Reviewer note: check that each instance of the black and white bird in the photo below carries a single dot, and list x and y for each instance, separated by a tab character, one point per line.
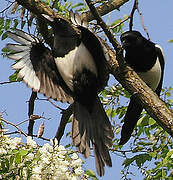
147	60
73	71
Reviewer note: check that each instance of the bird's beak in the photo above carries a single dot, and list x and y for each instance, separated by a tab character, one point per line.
50	19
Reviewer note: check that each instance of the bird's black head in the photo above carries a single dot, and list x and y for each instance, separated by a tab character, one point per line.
60	26
65	37
132	40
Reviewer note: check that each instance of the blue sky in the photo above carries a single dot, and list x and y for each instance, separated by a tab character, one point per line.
157	16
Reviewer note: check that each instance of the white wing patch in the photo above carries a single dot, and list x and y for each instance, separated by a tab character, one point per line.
27	72
76	60
158	46
22	56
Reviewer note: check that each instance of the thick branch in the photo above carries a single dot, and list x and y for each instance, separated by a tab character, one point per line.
106	8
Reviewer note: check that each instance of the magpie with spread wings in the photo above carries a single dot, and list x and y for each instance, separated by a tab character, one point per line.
73	71
147	60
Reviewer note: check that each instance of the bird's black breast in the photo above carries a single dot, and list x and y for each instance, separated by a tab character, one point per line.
85	85
64	44
141	59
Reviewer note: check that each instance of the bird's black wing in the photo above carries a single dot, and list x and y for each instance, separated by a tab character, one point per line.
36	66
130	120
160	55
94	46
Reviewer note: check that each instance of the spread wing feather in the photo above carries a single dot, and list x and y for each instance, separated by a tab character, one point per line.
36	66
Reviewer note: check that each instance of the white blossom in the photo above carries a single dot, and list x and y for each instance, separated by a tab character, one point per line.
74	156
2	151
30	142
78	171
77	162
51	161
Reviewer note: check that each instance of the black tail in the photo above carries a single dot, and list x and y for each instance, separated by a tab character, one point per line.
95	127
132	115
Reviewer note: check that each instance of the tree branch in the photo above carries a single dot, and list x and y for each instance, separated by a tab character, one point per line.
30	112
64	120
106	8
12	124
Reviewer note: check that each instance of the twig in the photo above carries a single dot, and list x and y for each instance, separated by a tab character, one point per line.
142	22
32	118
64	119
48	99
8	82
116	25
9	133
105	8
113	41
17	132
30	112
46	139
132	14
7	7
12	124
53	4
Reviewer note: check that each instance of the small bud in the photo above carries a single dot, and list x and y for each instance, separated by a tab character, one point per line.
40	130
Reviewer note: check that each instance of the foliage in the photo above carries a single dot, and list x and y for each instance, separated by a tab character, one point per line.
150	149
149	142
30	161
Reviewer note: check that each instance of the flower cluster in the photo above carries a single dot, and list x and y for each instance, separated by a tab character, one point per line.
30	161
56	162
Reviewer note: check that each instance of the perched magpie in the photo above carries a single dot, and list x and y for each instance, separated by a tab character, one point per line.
147	60
74	70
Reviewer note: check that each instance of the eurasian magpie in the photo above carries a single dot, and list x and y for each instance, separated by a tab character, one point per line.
73	71
147	60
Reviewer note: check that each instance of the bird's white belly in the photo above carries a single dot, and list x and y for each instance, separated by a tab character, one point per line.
75	60
152	77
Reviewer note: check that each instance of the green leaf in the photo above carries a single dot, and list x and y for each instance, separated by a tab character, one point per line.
7	24
18	158
128	161
91	173
48	2
23	24
16	22
169	154
153	154
77	5
11	160
23	152
14	77
170	41
143	121
151	121
4	36
142	158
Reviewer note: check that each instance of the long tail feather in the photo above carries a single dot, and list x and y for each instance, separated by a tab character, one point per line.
132	115
95	127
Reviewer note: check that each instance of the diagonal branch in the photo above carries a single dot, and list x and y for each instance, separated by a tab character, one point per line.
106	8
